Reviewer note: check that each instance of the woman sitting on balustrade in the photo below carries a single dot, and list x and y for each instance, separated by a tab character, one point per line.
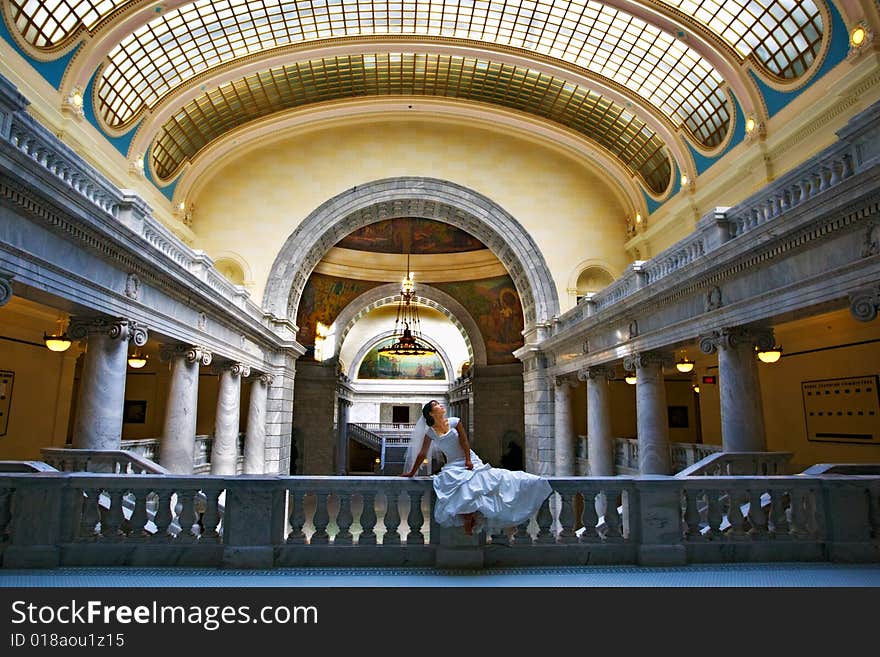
470	492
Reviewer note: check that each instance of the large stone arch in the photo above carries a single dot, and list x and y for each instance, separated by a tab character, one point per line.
427	295
425	198
378	337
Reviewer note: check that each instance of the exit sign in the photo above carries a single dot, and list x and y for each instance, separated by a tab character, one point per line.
711	380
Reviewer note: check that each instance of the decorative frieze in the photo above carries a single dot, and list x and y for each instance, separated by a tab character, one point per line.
114	328
133	286
871	244
596	372
713	299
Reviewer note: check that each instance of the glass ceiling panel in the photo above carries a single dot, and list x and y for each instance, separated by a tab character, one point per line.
46	23
784	35
174	47
612	127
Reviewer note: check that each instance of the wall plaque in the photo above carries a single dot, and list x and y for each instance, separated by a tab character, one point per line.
842	410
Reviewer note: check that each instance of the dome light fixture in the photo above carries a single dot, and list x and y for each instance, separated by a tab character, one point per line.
137	360
769	355
684	365
630	379
58	341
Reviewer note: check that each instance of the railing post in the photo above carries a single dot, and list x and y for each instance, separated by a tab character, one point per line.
253	522
659	522
848	521
37	516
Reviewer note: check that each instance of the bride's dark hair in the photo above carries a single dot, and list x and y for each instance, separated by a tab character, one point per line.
426	412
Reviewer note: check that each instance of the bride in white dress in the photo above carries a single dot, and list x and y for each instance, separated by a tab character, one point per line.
469	491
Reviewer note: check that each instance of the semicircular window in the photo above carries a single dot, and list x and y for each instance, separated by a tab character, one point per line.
392	368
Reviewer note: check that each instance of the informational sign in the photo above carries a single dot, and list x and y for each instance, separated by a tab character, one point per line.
842	410
6	379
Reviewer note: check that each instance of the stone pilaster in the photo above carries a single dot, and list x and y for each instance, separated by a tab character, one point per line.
179	430
224	452
563	426
99	407
742	414
255	438
538	409
600	442
652	416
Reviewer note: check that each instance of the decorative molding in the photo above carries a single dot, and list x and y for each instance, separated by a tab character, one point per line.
192	354
871	245
81	328
570	379
633	329
647	359
585	348
5	288
235	368
266	379
596	372
132	286
864	303
713	299
203	322
728	338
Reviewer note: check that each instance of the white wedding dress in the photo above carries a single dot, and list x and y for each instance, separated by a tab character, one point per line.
502	498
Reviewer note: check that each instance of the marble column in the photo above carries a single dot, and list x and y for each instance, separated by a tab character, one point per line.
652	416
101	398
255	438
600	442
538	419
224	452
177	446
342	436
742	413
564	427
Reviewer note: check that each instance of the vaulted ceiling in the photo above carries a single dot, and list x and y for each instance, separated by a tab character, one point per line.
648	83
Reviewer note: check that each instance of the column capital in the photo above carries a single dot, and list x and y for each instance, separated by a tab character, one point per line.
5	287
233	367
646	359
569	379
192	353
596	372
728	338
864	303
266	379
117	328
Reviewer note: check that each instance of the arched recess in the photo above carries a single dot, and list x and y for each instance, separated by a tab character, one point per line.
376	339
598	266
425	198
427	295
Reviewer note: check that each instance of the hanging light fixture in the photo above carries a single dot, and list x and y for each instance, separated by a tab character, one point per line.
407	338
630	379
57	341
137	360
769	355
684	365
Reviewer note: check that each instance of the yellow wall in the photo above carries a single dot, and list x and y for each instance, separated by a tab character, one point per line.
252	204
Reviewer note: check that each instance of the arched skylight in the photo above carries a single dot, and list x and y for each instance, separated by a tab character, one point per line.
617	130
622	49
46	23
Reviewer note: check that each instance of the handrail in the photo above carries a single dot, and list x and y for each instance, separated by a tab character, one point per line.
117	461
739	463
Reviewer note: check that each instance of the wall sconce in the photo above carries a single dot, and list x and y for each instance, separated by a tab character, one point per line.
57	341
697	389
137	360
630	379
684	365
858	35
769	355
684	180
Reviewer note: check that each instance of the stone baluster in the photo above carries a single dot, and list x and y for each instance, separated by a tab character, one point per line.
415	519
652	418
522	536
224	452
98	423
344	520
368	519
177	447
757	517
692	513
564	429
734	514
713	514
297	519
187	519
545	519
777	514
612	516
321	519
163	515
210	519
255	438
138	521
566	519
392	519
590	517
799	512
742	415
600	441
89	519
111	525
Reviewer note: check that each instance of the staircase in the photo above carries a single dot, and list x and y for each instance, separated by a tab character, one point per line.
389	441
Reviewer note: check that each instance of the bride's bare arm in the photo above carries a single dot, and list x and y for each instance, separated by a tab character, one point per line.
465	446
426	445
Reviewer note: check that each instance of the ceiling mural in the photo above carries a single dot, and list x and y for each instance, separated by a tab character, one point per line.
415	236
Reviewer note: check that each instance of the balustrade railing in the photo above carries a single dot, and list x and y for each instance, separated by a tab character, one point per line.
739	464
52	519
116	461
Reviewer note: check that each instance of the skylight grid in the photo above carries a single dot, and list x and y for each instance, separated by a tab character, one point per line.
47	23
206	118
184	42
785	36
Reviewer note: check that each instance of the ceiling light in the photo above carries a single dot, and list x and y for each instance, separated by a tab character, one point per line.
57	341
630	379
769	355
857	36
407	339
638	218
684	180
137	360
750	125
685	365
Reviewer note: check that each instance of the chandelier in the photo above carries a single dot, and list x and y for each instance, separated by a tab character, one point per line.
407	338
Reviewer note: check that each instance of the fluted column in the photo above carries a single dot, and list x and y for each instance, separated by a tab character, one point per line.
652	416
742	413
179	430
563	428
102	387
224	451
255	438
600	442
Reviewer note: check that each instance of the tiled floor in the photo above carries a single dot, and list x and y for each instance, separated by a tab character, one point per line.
722	575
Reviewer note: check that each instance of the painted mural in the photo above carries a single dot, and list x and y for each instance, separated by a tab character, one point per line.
495	306
416	236
379	366
322	300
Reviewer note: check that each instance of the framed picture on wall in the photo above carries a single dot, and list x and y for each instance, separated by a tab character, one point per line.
134	411
678	417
